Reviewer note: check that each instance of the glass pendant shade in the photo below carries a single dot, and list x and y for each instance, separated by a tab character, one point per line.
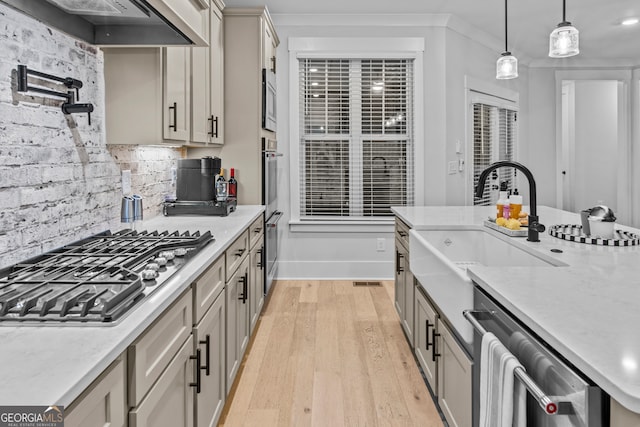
564	41
507	67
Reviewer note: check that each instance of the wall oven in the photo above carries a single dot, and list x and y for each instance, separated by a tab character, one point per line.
557	394
270	201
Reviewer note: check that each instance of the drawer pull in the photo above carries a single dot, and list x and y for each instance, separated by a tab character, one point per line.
240	252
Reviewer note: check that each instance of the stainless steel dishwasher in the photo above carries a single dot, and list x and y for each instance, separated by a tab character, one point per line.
557	394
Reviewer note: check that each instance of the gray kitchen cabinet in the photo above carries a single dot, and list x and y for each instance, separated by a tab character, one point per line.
622	417
454	379
404	289
256	294
207	84
104	402
176	90
237	307
426	320
150	354
210	337
169	403
248	32
446	367
169	94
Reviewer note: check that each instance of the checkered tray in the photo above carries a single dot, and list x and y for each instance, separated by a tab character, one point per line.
573	233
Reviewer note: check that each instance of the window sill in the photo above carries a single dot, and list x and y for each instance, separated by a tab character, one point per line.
378	226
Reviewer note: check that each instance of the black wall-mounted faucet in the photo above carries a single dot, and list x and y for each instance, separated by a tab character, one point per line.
534	226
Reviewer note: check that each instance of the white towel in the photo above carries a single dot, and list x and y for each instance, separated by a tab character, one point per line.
502	396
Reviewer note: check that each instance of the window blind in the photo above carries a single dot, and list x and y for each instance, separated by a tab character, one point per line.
356	137
494	134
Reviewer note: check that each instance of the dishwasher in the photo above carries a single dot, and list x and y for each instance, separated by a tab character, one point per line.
557	394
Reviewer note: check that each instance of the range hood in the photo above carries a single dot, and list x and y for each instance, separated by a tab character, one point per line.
105	22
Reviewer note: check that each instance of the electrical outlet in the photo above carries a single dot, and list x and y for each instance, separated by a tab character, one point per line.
380	244
453	167
174	175
460	165
126	182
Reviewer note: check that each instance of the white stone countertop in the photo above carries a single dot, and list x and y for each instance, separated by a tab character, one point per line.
52	365
587	311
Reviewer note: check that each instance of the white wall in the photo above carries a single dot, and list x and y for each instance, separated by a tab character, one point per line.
448	58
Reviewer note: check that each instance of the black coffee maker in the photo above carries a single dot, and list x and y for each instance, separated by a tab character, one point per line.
195	189
197	178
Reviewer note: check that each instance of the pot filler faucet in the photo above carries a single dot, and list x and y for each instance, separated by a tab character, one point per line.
534	226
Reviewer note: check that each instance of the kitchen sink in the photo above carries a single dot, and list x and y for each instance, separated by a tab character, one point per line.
439	259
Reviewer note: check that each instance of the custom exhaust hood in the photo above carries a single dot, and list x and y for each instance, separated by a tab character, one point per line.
105	22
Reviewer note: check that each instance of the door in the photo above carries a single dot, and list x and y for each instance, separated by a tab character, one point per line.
169	403
210	339
256	278
424	335
177	87
591	146
454	379
237	324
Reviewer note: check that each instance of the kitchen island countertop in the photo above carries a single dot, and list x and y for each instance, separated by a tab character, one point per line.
52	365
587	311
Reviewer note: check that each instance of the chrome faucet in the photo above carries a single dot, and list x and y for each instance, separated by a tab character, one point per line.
534	226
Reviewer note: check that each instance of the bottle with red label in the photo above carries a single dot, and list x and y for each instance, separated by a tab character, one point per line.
233	185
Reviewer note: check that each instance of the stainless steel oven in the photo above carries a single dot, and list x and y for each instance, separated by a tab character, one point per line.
272	214
557	394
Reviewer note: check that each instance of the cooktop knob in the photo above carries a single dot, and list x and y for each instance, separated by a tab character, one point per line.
161	261
169	255
152	266
180	252
149	274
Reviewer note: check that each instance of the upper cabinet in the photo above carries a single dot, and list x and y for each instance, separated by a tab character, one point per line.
171	94
250	43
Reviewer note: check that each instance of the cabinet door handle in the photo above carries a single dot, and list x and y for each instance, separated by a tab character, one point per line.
214	126
207	352
399	256
244	280
435	353
427	334
198	359
259	263
273	61
174	126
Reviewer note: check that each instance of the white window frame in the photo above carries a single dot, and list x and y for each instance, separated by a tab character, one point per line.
351	48
480	91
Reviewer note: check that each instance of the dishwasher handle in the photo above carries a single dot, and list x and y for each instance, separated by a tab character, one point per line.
548	406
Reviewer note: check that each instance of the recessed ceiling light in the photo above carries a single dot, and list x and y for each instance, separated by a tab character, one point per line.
630	21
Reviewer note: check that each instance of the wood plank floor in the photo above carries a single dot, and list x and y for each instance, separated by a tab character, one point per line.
327	353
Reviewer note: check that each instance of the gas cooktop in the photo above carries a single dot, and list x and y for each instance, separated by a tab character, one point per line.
95	280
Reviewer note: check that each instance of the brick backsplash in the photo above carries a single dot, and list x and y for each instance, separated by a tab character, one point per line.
59	180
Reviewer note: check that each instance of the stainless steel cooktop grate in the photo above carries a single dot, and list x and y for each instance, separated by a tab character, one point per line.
96	279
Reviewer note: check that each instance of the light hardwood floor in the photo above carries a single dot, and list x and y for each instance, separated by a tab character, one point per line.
327	353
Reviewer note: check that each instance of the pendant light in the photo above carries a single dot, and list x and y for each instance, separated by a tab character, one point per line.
564	40
507	64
